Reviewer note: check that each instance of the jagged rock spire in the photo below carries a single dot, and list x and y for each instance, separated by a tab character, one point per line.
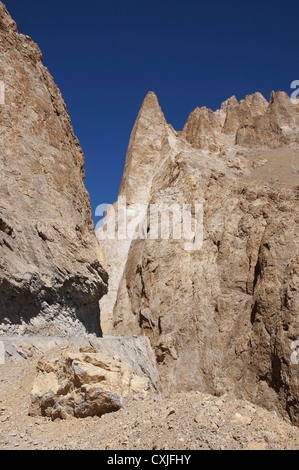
252	121
143	151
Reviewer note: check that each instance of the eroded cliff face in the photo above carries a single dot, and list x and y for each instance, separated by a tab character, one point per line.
250	123
51	266
223	317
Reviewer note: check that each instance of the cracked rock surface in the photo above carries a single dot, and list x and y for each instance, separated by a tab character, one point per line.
222	315
51	270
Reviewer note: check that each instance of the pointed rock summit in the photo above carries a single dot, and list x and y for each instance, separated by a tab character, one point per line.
251	122
151	102
144	151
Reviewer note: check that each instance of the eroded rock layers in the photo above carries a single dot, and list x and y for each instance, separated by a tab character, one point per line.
51	274
223	317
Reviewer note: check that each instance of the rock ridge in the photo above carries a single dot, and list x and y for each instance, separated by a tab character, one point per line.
223	318
251	122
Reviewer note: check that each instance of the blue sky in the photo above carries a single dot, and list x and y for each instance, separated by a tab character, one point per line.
106	56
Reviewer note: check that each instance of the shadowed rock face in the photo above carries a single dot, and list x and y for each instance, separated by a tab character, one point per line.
222	318
51	274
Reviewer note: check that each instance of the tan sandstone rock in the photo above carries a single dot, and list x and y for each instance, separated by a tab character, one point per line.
83	384
223	317
51	268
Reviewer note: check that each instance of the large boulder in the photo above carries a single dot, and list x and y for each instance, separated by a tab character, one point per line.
83	384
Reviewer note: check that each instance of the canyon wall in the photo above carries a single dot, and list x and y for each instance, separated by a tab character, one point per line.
51	265
223	315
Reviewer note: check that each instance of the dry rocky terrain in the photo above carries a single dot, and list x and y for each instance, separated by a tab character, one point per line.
184	421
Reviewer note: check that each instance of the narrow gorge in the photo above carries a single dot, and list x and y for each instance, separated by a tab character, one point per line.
142	315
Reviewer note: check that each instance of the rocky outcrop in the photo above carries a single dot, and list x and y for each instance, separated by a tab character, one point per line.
250	123
83	384
221	316
183	421
134	352
51	268
144	152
